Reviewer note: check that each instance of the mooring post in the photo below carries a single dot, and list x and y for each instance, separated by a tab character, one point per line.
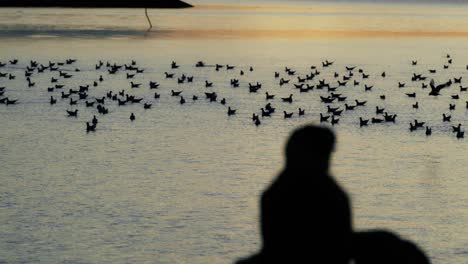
147	17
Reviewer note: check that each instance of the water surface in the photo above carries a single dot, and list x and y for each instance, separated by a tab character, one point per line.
181	183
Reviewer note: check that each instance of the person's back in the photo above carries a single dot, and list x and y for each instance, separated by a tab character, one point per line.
305	221
305	215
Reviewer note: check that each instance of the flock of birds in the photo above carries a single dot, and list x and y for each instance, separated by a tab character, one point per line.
336	103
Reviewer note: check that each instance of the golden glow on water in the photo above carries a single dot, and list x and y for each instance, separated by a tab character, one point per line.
338	8
334	20
270	8
301	34
244	21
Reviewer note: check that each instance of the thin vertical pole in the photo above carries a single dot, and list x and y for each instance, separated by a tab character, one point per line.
147	17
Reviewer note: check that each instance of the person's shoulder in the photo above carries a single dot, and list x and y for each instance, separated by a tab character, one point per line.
254	259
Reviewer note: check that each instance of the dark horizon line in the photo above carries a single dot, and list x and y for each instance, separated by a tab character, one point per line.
95	4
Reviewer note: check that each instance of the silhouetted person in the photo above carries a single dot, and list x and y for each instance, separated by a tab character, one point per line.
305	215
383	247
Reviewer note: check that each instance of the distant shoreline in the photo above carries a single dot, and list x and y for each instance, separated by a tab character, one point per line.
95	4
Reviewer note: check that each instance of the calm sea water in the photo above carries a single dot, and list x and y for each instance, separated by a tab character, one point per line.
181	183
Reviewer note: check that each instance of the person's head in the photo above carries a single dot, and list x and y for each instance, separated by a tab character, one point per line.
310	147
